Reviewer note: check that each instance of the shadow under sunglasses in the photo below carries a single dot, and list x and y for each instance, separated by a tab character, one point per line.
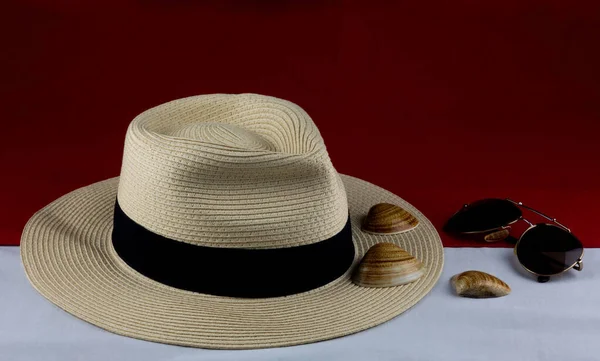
544	249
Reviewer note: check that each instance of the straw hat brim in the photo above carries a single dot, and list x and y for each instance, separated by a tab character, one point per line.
68	257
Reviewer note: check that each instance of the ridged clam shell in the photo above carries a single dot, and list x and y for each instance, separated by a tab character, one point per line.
477	284
385	218
497	236
387	265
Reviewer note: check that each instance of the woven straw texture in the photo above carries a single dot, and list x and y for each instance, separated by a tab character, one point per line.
236	171
223	171
68	257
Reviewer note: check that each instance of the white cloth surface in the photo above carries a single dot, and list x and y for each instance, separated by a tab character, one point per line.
558	320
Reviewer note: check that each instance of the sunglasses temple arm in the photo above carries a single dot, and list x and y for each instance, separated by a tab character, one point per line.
538	213
526	221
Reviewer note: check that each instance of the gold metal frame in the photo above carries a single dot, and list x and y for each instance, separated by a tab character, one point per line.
577	265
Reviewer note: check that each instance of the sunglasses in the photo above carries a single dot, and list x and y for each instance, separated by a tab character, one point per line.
544	249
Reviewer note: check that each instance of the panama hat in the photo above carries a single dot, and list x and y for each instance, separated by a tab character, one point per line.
228	228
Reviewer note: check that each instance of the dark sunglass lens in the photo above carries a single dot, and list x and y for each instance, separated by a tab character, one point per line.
546	249
483	215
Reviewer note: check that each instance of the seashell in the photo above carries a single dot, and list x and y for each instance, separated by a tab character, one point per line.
497	236
387	265
385	218
476	284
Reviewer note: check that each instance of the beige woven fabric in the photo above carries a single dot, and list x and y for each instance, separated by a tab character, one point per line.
167	185
245	171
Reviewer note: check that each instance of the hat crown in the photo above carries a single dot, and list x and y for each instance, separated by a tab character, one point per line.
237	171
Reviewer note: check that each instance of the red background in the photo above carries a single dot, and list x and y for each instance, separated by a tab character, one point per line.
440	102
